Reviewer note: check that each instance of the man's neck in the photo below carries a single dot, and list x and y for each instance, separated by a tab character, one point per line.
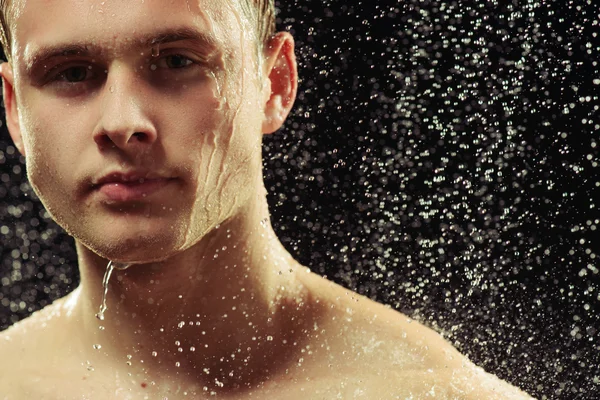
212	310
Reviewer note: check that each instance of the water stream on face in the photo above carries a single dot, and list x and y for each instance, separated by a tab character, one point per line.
109	269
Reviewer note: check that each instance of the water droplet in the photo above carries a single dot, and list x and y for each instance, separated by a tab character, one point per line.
109	269
97	346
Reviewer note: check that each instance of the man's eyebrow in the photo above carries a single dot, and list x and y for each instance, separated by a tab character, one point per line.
179	34
166	36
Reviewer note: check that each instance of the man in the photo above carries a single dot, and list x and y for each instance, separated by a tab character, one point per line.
141	124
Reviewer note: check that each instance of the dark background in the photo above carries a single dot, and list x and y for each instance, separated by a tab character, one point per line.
442	158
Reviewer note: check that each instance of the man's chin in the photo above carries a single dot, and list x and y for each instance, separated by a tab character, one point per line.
127	260
138	240
138	250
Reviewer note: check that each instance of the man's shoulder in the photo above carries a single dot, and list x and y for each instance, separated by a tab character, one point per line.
17	364
472	383
32	332
468	383
32	348
354	383
13	345
369	327
36	361
393	355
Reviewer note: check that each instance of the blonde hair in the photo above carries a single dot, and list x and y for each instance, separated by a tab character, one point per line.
5	37
260	12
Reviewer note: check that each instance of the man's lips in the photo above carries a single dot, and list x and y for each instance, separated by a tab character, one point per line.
132	191
118	187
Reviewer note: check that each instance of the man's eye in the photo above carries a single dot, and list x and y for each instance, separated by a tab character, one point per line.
75	74
174	61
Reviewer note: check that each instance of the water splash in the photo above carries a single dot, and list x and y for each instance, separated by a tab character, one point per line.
109	269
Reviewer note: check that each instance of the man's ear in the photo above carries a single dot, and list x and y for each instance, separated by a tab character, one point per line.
10	105
281	84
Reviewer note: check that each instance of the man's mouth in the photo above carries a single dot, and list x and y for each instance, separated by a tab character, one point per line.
130	186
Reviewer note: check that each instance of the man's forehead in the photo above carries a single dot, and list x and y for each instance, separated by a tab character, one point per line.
17	6
35	52
54	14
119	23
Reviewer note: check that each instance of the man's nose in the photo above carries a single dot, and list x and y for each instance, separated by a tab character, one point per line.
125	120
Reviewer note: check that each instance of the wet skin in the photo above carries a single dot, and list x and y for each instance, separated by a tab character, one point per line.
345	346
141	127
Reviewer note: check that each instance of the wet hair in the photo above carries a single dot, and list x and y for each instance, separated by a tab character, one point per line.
5	37
260	12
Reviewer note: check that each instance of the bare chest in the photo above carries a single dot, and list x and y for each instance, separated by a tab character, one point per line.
334	386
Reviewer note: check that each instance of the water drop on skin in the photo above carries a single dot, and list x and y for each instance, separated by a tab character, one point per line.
109	269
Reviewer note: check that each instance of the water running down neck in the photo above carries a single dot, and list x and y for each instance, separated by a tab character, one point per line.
109	269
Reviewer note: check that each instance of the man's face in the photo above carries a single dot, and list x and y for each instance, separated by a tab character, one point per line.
116	90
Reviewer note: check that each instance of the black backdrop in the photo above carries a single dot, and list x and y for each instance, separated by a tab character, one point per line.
442	158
